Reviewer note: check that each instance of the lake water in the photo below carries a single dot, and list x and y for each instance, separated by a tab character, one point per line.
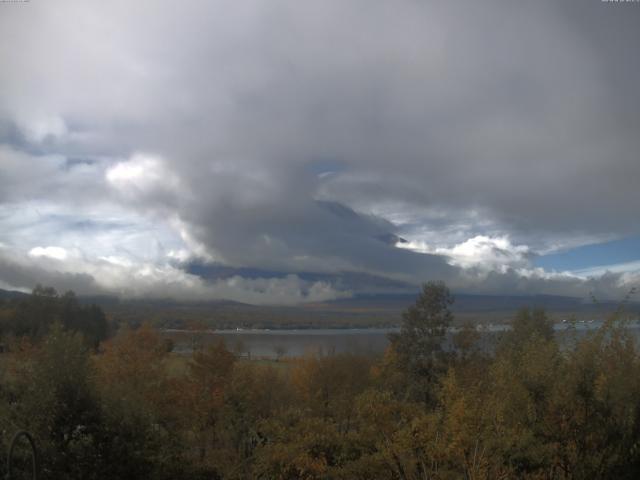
290	343
294	343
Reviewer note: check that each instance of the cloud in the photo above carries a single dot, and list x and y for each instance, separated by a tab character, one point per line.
39	128
293	136
24	273
58	253
483	252
631	270
127	279
142	175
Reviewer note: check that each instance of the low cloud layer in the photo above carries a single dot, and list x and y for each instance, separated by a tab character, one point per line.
125	279
296	138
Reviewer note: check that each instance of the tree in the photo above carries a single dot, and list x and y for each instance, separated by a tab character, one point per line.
90	320
327	385
256	393
529	323
34	315
58	404
203	395
139	409
466	341
419	345
530	330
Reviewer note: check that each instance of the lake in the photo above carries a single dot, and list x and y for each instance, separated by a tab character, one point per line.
298	342
290	343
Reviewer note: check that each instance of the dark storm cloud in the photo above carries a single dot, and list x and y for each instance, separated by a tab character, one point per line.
292	136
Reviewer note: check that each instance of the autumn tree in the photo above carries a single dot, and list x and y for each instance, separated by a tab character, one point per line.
202	397
529	323
599	428
318	435
327	385
140	415
466	343
256	394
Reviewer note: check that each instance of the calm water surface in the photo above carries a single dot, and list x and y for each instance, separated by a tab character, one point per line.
293	343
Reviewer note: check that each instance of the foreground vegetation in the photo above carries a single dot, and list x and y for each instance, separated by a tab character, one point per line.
123	407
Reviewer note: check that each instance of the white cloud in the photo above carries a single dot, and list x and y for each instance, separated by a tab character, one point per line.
632	269
181	255
57	253
142	174
479	252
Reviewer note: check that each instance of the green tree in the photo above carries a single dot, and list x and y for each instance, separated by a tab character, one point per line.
34	315
529	323
58	403
420	343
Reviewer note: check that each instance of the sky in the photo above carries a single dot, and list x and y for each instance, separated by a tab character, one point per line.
280	152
